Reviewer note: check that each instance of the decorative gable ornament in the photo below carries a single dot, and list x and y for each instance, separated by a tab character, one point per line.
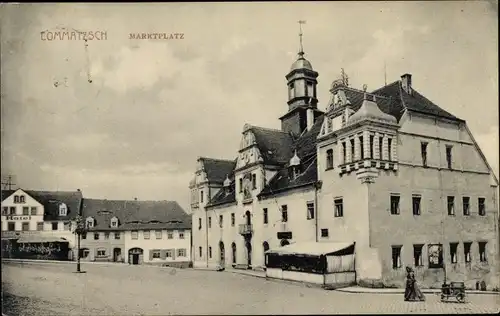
114	222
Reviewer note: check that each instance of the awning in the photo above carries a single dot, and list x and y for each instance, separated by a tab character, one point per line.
314	248
40	239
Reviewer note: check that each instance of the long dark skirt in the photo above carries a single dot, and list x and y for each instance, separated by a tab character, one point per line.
412	291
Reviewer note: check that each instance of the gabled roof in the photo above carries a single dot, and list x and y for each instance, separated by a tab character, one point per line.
51	201
217	169
224	196
136	214
275	146
414	102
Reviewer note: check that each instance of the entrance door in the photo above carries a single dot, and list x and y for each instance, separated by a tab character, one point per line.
135	255
135	258
117	254
249	254
222	254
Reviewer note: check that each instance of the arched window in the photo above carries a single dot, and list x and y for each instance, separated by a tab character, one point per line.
265	245
284	242
233	248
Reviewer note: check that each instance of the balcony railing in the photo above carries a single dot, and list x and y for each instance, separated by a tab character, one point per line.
245	229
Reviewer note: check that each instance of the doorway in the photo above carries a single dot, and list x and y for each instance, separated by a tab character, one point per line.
248	218
222	254
248	245
233	248
117	254
135	256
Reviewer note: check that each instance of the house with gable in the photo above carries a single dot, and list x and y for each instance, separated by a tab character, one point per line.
40	217
388	171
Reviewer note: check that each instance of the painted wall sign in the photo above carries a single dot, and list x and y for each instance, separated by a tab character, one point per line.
18	218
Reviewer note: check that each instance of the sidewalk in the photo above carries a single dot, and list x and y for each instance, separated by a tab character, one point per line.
358	289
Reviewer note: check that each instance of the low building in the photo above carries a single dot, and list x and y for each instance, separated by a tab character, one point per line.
136	232
39	218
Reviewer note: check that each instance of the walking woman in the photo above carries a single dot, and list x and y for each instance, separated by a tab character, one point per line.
412	291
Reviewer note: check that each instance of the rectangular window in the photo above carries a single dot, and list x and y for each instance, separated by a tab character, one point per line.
481	206
361	147
324	232
84	235
396	257
310	210
54	225
221	221
96	236
389	149
117	236
417	255
39	226
254	181
169	253
233	219
210	222
181	252
329	159
12	210
423	152
146	234
25	226
5	210
482	251
170	235
453	252
451	205
371	146
395	204
158	234
101	253
200	252
135	235
199	223
467	256
339	207
209	252
241	184
33	210
466	205
11	226
201	196
284	213
181	235
67	226
352	149
16	198
416	200
156	254
26	210
265	216
344	152
380	147
106	235
448	156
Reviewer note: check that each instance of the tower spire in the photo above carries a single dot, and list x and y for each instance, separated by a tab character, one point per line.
301	49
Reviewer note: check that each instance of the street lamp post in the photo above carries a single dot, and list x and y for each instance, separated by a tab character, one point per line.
79	230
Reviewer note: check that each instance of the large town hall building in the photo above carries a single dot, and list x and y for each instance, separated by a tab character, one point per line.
389	170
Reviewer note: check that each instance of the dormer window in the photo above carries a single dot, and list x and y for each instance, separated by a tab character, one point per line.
19	199
114	222
63	210
89	222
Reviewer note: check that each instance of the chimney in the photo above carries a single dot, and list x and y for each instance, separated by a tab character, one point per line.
135	199
310	119
406	83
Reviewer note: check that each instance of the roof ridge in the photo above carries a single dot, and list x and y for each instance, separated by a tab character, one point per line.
216	159
268	129
387	85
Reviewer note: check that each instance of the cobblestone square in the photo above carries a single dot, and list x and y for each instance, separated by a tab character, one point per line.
53	289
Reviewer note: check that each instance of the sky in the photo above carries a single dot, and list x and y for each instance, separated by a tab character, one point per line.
153	106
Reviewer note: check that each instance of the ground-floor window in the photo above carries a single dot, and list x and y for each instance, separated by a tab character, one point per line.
417	255
101	252
396	257
200	252
84	253
181	252
169	253
11	226
453	252
156	254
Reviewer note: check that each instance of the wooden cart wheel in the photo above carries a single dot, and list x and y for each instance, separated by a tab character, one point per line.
460	297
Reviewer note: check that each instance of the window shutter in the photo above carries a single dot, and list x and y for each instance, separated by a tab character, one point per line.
163	254
173	254
151	255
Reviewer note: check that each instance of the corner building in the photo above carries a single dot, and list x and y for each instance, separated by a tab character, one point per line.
388	169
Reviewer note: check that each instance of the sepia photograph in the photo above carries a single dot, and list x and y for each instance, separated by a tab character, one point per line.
249	158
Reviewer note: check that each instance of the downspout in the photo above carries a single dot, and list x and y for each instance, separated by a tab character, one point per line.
316	185
206	227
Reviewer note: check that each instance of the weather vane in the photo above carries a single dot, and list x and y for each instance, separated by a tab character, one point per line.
301	51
